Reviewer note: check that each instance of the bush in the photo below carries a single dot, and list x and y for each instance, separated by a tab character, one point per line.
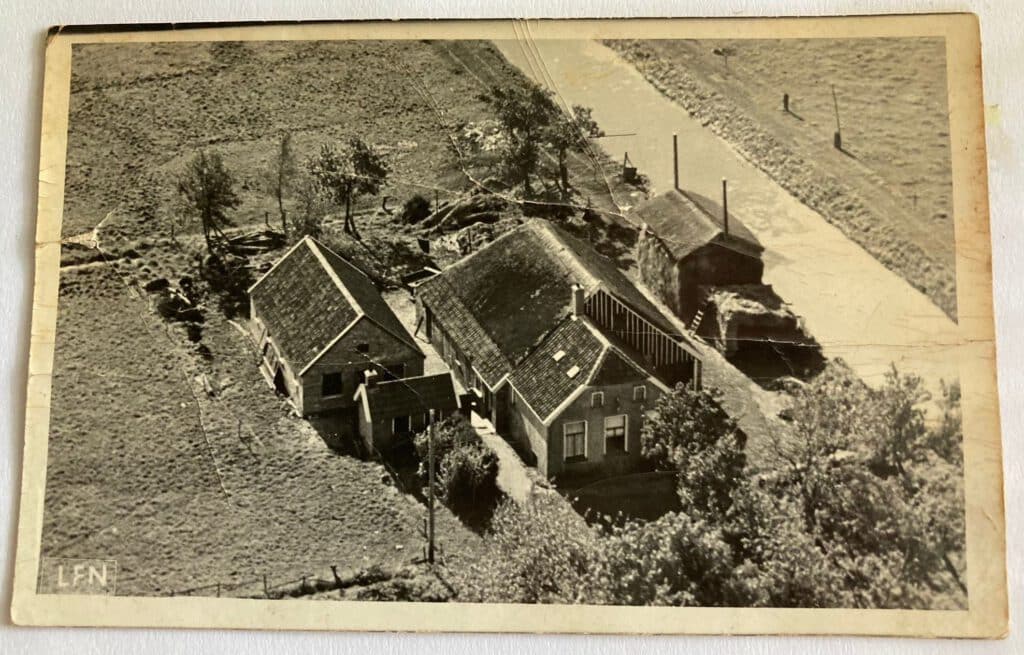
415	209
468	477
466	471
230	278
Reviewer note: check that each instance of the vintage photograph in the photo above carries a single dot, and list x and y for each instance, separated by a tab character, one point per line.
635	321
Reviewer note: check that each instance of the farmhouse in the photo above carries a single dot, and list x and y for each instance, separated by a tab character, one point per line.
562	353
320	324
686	246
391	412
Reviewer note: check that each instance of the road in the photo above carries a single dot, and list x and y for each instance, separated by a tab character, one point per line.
855	307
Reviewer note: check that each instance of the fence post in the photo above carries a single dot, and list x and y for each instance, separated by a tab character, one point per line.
218	590
266	590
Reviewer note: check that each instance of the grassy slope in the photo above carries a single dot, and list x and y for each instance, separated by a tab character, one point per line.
891	191
131	475
184	490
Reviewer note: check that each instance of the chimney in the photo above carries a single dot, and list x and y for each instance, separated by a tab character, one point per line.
370	378
725	205
675	160
577	300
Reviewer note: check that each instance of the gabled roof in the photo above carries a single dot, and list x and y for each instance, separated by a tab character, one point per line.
575	355
685	222
312	296
500	302
408	396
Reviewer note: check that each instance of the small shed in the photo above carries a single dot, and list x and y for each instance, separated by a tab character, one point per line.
391	412
687	242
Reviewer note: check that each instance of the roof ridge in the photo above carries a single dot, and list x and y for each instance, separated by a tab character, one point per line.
551	232
314	246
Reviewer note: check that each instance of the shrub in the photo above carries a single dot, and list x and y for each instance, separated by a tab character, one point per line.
415	209
466	472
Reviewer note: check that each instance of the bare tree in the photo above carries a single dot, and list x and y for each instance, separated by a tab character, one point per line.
279	176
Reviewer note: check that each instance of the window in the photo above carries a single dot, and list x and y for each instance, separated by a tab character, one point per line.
575	440
640	393
363	348
400	425
332	385
597	399
615	433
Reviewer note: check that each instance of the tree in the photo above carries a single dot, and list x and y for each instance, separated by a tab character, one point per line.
207	189
467	469
874	488
568	133
524	112
312	208
344	175
691	433
537	552
280	174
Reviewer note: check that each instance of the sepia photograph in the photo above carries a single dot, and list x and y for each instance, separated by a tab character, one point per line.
515	315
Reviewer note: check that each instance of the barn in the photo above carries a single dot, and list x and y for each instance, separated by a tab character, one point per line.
320	323
687	244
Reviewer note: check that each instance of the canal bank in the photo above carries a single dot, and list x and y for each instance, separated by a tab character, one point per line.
856	308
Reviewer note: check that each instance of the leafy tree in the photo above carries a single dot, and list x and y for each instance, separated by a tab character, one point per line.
691	433
524	113
569	132
311	210
344	175
537	552
279	176
466	469
873	490
207	190
531	121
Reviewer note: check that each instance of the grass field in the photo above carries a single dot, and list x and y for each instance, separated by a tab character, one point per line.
182	488
889	189
185	490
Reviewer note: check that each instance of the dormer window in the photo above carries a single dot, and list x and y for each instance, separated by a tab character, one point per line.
558	355
597	399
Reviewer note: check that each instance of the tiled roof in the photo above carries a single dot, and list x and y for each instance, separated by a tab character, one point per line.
366	295
576	354
499	303
463	328
685	222
544	381
311	296
410	396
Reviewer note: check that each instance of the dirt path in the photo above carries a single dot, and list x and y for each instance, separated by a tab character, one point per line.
859	310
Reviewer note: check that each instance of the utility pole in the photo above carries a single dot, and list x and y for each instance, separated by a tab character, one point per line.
837	139
430	454
430	478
